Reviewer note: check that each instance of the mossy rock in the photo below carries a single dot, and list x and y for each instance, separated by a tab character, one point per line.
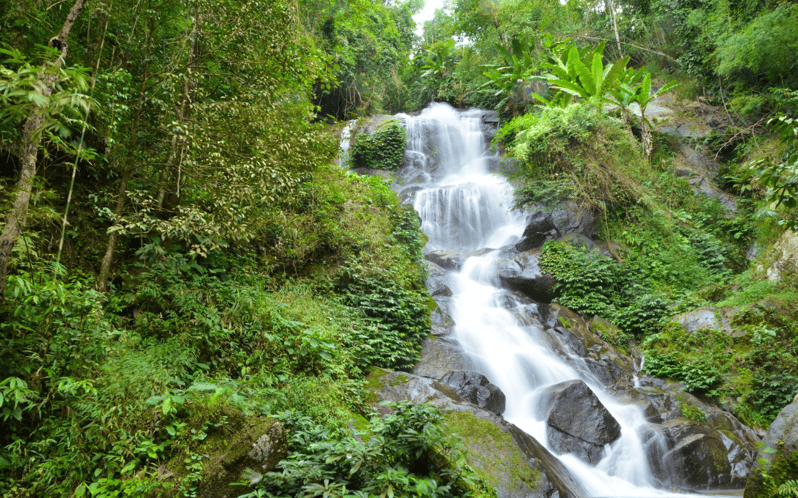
383	149
777	461
501	453
257	443
492	453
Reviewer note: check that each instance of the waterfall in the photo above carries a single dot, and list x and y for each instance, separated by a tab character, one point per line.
465	208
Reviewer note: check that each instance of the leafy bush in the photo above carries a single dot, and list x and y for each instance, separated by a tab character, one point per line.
764	49
399	317
594	284
591	156
405	454
696	378
383	149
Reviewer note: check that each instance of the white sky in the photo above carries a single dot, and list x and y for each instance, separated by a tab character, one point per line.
427	13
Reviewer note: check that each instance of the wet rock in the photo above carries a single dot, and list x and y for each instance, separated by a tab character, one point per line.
569	219
668	405
489	124
551	224
521	272
690	455
437	285
439	356
477	389
501	453
442	322
258	443
778	455
578	422
538	231
601	359
449	260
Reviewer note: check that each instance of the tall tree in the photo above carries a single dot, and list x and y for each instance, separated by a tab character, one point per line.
47	77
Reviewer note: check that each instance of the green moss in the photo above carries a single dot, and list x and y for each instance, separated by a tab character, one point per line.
400	379
383	149
565	322
374	383
693	413
492	453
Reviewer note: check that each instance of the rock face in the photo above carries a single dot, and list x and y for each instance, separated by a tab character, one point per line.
672	443
437	285
575	336
439	355
259	443
501	453
578	423
551	224
778	456
688	454
521	272
786	256
477	389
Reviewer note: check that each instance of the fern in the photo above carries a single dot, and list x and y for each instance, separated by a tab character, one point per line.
787	488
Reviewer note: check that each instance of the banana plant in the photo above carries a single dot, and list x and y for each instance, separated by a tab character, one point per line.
508	77
583	74
644	96
625	93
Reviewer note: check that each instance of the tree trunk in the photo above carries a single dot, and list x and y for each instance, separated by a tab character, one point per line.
105	265
615	26
646	135
31	138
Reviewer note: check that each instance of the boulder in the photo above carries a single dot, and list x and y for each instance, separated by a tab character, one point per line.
689	455
521	272
778	455
568	219
498	451
477	389
707	317
785	254
600	359
257	443
449	260
577	422
439	356
538	231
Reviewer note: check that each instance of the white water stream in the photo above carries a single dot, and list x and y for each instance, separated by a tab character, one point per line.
465	208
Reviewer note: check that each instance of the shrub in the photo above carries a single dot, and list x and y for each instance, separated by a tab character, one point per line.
405	454
383	149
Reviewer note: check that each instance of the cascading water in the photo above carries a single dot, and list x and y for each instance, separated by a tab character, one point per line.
465	208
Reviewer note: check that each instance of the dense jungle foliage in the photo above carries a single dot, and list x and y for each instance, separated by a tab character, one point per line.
180	250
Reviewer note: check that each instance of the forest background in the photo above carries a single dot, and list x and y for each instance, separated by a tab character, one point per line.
180	249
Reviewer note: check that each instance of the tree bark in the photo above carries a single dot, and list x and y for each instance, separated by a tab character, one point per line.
646	135
31	138
615	26
105	265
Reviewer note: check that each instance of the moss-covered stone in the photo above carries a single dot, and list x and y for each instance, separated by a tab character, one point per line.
492	453
383	149
259	444
778	455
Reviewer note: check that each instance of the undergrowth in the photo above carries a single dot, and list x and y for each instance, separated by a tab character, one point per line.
101	394
667	250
